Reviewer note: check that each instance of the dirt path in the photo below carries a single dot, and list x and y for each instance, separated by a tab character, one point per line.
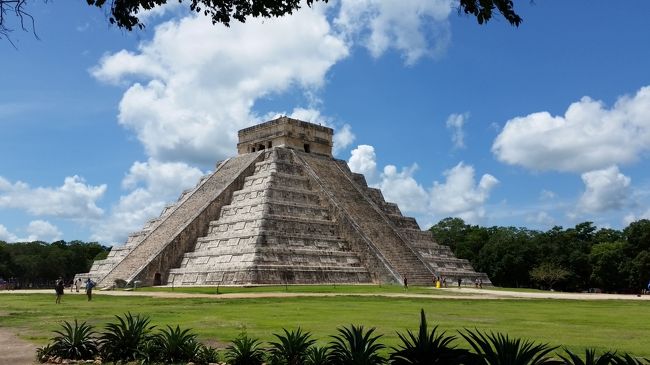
14	350
446	293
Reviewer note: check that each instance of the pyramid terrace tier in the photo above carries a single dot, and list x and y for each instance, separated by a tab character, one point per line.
291	225
271	275
270	238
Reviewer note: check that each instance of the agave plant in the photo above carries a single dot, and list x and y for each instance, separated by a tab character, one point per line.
353	346
500	349
206	355
244	351
44	353
590	358
74	342
125	340
318	356
174	345
291	348
427	347
627	359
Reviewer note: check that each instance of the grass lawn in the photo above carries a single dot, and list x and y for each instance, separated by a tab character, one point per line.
340	289
604	325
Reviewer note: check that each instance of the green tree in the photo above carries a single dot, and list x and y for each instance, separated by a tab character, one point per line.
608	260
549	273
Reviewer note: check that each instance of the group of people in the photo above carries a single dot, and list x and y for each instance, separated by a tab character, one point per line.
59	287
439	281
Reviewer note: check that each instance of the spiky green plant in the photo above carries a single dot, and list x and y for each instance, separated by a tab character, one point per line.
125	339
175	345
244	350
206	355
291	348
590	358
75	342
353	346
500	349
627	359
318	356
427	347
44	353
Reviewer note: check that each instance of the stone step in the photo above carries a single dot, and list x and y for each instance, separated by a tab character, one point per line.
181	222
359	208
276	193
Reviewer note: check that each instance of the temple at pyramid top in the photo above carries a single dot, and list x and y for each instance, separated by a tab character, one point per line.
286	132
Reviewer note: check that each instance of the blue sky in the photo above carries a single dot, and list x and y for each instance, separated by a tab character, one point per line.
546	124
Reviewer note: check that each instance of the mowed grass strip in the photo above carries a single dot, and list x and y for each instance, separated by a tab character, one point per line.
604	325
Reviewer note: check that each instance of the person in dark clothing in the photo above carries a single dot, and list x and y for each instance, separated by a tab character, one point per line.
406	283
460	281
89	289
58	288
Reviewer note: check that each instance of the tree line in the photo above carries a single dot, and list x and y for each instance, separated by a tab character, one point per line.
572	259
36	264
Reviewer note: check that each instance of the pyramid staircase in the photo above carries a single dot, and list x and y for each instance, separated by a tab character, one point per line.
148	254
277	229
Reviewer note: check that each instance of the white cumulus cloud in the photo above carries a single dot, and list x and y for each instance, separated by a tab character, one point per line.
605	189
458	196
415	28
363	161
589	136
193	85
455	123
74	199
40	230
7	236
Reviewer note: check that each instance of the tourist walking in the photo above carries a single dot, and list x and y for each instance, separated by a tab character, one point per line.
58	288
406	283
89	289
460	281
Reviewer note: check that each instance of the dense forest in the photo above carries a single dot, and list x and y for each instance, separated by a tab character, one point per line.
38	264
573	259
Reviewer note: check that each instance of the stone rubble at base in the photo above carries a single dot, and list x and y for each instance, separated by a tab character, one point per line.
283	211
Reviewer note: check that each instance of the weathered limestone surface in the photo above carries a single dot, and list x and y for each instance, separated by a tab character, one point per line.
286	213
163	245
277	229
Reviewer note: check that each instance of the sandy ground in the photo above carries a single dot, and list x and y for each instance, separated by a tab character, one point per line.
16	351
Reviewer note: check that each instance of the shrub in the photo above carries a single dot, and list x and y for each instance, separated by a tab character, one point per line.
206	355
244	351
500	349
590	358
291	349
174	345
125	340
352	346
318	356
627	359
74	342
427	347
44	353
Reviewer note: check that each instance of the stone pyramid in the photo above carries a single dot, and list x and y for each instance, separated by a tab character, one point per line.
282	211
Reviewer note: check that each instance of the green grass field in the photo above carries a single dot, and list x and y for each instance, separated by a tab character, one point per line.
604	325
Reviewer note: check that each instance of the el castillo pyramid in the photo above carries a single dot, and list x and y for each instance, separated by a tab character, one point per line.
282	211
